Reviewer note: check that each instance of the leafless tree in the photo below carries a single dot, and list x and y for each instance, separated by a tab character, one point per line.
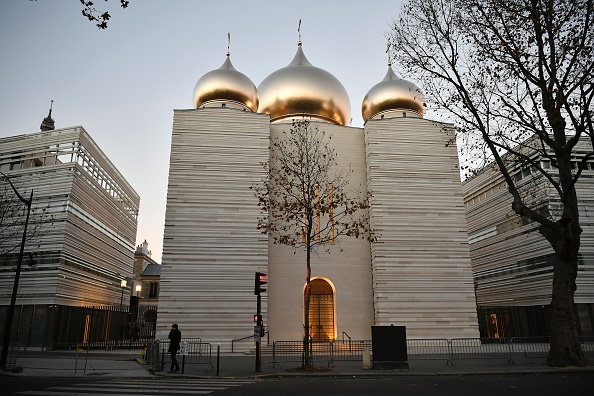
517	77
305	202
12	220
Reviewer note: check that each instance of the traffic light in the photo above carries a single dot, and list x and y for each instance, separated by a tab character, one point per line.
260	280
258	318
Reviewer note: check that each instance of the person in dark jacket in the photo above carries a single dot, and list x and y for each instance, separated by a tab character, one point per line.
174	340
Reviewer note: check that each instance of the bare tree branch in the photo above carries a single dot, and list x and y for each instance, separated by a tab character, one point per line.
304	198
99	17
516	76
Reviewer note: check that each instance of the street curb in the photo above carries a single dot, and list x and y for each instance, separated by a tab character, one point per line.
383	373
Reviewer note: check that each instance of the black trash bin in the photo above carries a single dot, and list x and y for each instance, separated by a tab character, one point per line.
389	347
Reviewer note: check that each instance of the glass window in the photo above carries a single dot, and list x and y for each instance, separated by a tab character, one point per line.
153	290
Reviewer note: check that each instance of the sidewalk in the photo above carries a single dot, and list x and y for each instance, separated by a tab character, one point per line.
242	366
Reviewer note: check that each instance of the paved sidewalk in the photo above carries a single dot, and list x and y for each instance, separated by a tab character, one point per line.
242	366
238	366
132	370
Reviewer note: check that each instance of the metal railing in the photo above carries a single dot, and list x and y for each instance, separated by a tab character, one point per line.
481	348
531	347
429	349
250	337
198	353
102	356
348	350
76	357
511	349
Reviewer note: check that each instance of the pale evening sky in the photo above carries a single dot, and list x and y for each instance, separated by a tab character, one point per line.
122	84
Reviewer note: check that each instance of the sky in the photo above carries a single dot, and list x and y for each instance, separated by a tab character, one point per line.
123	83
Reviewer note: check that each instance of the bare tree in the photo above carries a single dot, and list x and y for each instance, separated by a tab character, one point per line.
12	220
517	78
304	199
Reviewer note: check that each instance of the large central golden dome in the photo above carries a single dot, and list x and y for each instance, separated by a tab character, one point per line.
301	89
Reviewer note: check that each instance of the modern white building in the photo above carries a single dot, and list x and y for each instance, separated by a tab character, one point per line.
85	246
512	262
417	275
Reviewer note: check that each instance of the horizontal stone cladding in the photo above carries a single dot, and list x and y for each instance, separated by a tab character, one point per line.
512	262
346	265
421	270
88	245
211	246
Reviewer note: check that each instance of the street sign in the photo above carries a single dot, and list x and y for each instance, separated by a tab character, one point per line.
257	332
183	348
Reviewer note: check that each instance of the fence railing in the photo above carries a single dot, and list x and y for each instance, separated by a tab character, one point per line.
196	353
250	337
104	356
99	356
511	349
80	358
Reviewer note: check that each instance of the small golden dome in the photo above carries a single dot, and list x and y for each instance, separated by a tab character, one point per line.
392	93
226	85
301	89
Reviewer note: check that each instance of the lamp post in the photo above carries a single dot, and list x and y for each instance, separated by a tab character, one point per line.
123	286
15	287
137	308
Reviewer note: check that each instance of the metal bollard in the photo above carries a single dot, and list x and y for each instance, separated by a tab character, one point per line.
218	357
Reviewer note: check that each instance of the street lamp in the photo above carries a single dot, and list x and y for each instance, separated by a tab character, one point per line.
123	286
136	309
15	287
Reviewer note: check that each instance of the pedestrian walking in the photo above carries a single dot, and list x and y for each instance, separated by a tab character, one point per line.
174	340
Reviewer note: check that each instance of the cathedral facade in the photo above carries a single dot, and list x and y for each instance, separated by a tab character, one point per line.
417	274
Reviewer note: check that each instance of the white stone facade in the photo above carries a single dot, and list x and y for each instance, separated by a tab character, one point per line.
87	245
418	274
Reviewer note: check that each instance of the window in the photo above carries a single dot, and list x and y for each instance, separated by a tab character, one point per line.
153	290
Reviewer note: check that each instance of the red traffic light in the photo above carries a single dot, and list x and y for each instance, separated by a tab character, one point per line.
260	280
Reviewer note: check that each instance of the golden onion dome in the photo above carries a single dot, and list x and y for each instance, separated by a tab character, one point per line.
392	93
226	84
301	89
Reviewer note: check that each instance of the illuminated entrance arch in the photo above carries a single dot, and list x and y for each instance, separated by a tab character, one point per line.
321	310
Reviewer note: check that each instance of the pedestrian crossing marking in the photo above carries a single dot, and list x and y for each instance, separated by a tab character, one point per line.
140	387
136	391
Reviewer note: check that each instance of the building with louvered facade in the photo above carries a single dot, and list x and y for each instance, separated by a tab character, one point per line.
417	275
513	263
85	215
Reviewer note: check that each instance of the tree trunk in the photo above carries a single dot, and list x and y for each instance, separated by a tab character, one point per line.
306	354
565	349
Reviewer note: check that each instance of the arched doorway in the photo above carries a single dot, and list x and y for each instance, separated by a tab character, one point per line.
321	310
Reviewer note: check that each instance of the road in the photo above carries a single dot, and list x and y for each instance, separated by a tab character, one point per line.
484	385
